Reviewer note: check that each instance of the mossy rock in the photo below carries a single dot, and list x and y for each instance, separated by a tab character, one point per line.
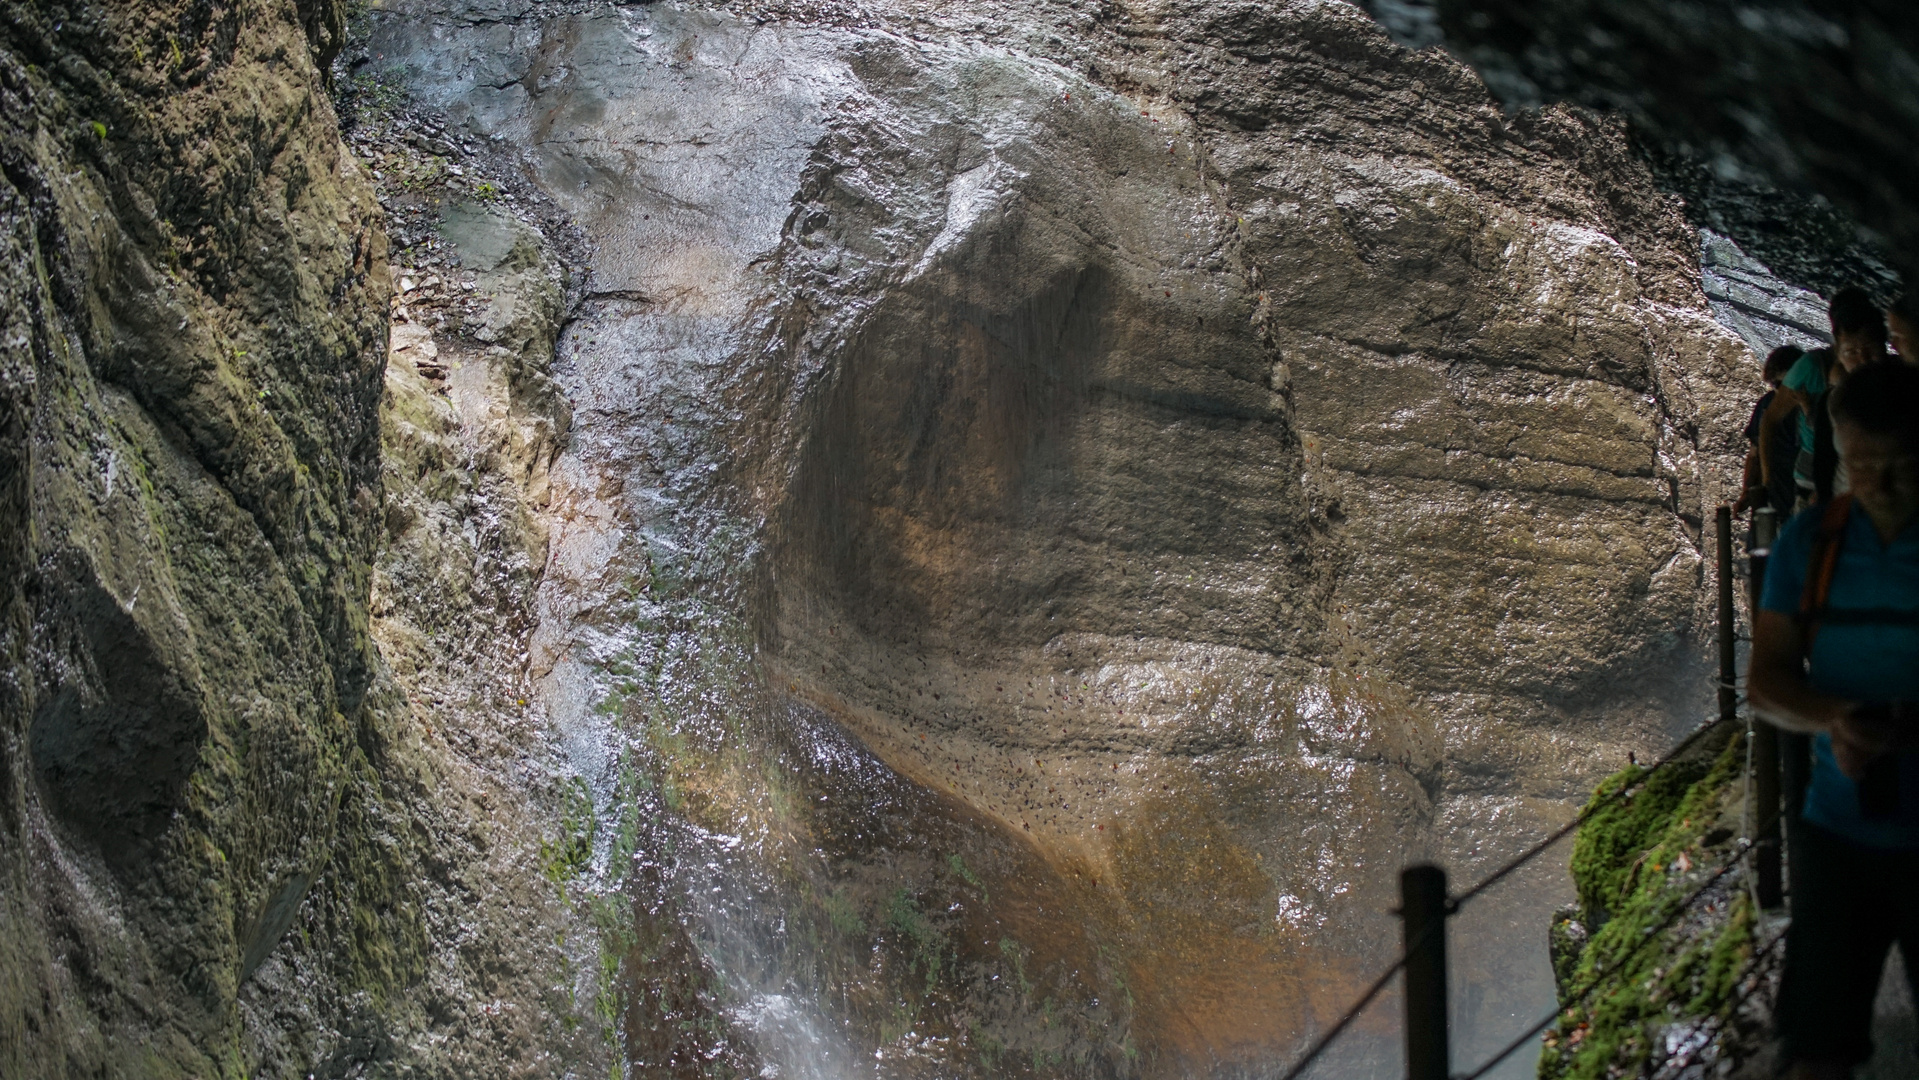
1654	960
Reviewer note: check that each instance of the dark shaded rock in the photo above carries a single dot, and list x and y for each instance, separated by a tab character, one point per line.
192	336
1817	98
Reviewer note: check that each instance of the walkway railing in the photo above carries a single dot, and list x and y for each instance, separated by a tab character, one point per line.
1425	906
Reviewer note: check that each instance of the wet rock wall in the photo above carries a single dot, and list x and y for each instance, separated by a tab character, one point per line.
194	331
968	539
1802	98
237	836
1194	446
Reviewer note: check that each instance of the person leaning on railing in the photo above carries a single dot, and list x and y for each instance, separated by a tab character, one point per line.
1858	339
1835	653
1767	480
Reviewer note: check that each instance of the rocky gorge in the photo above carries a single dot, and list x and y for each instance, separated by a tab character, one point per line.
562	539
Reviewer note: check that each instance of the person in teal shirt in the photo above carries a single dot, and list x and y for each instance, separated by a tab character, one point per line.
1859	338
1845	667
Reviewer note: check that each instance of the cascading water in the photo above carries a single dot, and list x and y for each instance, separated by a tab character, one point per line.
551	538
1042	541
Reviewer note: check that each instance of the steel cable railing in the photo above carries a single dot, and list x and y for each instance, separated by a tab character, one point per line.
1385	978
1732	1007
1431	1061
1599	978
1593	808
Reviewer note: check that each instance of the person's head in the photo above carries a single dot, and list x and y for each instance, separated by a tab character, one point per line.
1858	328
1875	426
1778	362
1902	325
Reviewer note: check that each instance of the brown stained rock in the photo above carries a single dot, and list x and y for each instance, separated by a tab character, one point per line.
1035	513
1207	450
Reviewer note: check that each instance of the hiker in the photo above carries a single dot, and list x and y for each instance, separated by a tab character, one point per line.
1835	653
1902	326
1858	339
1769	482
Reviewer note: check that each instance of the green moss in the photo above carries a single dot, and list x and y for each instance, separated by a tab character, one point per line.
1634	864
1608	845
566	855
841	912
927	950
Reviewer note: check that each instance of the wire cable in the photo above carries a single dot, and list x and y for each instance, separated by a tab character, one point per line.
1319	1046
1599	980
1732	1008
1584	816
1365	999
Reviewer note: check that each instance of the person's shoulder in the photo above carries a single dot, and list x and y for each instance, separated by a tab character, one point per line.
1807	372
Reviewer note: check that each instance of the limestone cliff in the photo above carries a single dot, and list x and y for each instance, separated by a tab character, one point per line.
229	843
968	538
194	339
1063	499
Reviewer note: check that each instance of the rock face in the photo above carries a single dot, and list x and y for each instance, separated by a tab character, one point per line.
1201	459
232	841
1034	513
193	284
1808	97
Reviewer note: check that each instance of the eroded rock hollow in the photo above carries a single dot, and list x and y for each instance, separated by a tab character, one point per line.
938	540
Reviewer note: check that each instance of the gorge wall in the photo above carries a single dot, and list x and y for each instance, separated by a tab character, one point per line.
893	537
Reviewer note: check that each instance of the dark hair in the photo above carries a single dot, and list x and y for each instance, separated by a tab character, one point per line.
1853	312
1881	399
1780	360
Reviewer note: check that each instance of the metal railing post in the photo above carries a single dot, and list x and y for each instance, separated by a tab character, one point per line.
1768	881
1422	905
1728	667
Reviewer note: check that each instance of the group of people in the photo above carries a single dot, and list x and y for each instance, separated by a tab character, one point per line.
1835	654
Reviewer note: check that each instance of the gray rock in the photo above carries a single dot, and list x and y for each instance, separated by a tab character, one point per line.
1216	453
1804	97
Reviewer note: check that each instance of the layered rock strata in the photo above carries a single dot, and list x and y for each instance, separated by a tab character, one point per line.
1212	456
1034	514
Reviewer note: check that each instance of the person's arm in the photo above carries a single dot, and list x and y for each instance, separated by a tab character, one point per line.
1748	482
1783	404
1776	679
1776	685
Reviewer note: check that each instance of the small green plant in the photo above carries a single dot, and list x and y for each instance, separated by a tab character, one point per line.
100	130
841	912
565	856
966	874
927	946
1015	953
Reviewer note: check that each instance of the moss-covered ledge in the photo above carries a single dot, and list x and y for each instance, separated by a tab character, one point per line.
1634	1007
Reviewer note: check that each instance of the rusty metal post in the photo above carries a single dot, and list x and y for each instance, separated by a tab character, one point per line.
1768	881
1422	906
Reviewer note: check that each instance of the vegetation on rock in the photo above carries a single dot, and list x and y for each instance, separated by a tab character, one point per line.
1656	962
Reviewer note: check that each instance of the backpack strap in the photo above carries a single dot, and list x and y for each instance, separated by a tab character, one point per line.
1820	567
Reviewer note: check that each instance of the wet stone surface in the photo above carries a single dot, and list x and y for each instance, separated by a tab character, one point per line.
1060	505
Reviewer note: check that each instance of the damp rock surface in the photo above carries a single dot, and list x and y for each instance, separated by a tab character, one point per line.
253	563
1208	456
796	539
1805	98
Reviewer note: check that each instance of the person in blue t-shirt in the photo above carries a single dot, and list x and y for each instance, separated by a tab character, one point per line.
1836	653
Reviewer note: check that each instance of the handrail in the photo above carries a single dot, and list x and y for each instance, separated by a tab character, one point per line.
1623	791
1729	701
1600	978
